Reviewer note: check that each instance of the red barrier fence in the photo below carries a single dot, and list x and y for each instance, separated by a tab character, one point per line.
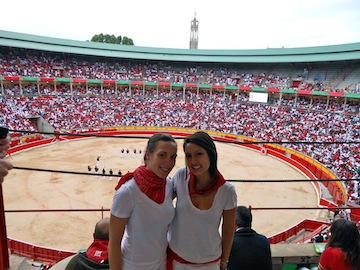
37	253
308	225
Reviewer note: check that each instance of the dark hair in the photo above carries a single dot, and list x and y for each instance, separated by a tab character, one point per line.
345	235
155	139
204	140
102	229
243	216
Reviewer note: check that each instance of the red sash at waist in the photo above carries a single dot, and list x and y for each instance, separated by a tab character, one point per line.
171	256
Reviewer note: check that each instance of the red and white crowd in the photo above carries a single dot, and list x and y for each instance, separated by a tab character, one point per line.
329	130
32	63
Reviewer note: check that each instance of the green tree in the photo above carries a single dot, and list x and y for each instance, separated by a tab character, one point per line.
112	39
127	41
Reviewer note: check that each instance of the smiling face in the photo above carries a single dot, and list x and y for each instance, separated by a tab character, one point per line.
162	159
197	159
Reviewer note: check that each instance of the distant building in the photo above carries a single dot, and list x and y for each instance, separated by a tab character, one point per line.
194	33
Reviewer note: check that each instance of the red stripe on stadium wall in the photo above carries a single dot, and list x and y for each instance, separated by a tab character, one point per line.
336	94
303	92
78	80
217	87
164	84
273	89
11	78
245	88
109	81
46	79
137	83
191	85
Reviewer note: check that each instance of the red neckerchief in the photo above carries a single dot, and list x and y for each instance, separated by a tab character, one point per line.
98	251
219	181
149	183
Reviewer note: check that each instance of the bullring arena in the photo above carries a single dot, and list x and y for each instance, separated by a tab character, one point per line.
299	116
72	230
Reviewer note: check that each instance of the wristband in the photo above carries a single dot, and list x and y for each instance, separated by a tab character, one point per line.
224	263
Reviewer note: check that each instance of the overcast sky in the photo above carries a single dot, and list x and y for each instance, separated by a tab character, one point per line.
223	24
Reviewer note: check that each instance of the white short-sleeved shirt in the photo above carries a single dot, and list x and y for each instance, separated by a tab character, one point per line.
144	243
194	233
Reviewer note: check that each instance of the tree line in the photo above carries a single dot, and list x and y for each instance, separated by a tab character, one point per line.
112	39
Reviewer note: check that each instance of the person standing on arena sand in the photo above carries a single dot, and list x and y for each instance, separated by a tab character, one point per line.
249	250
5	166
204	198
142	210
97	161
342	251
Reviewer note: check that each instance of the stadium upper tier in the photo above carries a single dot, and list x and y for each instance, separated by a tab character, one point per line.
344	52
318	78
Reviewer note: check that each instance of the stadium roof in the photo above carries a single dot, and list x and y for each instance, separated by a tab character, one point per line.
344	52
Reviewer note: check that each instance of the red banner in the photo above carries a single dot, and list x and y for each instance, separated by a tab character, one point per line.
303	92
245	88
137	83
46	79
273	89
11	78
79	80
109	81
336	94
164	84
217	87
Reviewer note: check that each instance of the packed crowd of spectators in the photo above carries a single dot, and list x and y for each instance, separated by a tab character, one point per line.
218	113
22	62
290	119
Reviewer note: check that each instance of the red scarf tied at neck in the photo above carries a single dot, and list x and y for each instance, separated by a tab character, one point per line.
219	181
98	251
149	183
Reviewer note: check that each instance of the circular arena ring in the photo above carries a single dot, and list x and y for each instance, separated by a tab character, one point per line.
53	201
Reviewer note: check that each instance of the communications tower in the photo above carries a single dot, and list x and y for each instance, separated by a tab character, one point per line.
194	33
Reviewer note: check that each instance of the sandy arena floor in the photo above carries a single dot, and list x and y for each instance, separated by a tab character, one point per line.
73	230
